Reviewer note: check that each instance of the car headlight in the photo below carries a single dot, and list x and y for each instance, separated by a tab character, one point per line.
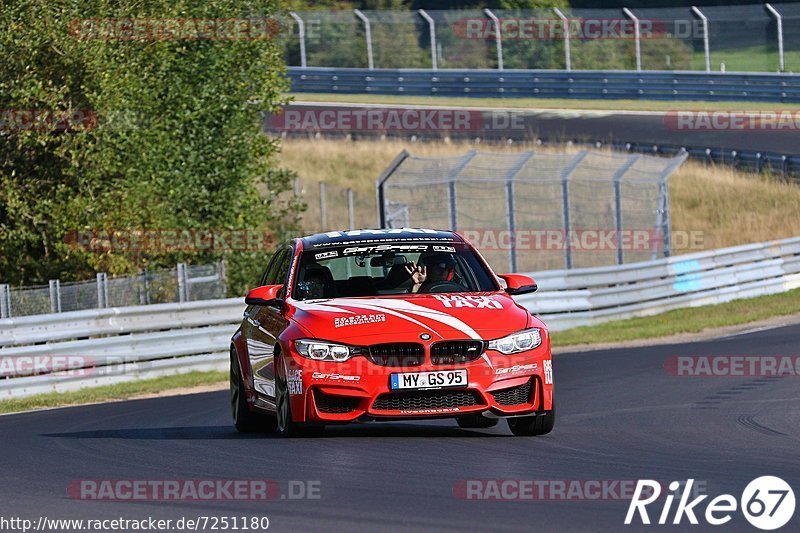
517	342
326	351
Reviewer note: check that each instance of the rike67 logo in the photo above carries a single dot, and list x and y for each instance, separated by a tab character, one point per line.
767	502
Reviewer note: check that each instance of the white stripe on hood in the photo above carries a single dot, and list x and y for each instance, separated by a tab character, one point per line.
399	308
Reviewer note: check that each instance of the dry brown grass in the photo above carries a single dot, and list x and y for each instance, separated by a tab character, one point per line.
728	207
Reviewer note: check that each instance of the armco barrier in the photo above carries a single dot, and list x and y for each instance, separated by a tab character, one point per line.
137	342
588	84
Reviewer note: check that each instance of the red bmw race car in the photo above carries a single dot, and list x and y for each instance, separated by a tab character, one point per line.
395	324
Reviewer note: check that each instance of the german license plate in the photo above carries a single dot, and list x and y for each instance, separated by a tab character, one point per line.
427	380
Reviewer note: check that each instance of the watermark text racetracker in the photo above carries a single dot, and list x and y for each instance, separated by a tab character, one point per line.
170	240
406	120
551	489
583	239
735	121
174	29
193	490
733	366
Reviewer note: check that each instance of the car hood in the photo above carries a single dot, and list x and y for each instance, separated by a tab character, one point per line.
395	318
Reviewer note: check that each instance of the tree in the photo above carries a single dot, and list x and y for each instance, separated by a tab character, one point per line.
155	111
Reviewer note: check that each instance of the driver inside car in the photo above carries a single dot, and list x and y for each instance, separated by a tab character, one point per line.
433	269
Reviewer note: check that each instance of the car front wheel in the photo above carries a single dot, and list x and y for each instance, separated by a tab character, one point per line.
531	426
286	426
245	420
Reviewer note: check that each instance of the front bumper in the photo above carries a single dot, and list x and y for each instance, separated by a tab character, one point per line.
498	385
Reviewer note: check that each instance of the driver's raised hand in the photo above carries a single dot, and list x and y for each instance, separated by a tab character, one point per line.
418	274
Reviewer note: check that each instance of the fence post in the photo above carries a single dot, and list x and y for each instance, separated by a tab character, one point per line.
565	21
102	290
323	215
618	204
451	188
637	34
565	211
55	296
779	20
511	208
432	28
146	283
180	272
301	30
380	183
498	39
368	33
350	210
704	19
223	276
5	301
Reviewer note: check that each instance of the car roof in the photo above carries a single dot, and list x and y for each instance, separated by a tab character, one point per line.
379	236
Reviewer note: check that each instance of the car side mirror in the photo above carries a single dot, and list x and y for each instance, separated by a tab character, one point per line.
518	284
266	295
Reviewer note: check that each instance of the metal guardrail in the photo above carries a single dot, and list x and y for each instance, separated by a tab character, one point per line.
586	84
582	297
114	345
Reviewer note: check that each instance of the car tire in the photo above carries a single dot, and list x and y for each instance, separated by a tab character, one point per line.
532	426
476	421
245	420
286	427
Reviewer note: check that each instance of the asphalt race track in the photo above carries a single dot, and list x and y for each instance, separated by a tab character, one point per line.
621	416
554	126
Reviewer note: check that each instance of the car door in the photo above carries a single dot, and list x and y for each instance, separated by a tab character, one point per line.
265	324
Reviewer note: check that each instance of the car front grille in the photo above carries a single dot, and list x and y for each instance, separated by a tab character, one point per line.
514	395
450	352
400	354
330	403
421	400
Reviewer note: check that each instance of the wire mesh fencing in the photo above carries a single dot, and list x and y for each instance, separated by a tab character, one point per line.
537	211
753	38
183	283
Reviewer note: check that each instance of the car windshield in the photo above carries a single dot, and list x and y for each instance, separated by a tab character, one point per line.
387	269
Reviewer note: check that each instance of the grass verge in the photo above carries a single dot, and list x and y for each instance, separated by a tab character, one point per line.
545	103
119	391
686	320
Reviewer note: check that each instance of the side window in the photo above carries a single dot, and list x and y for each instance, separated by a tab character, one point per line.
265	275
282	270
272	270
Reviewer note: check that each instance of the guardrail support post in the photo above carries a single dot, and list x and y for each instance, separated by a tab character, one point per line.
368	34
567	54
432	29
323	215
301	31
706	49
5	301
779	20
498	38
637	33
55	296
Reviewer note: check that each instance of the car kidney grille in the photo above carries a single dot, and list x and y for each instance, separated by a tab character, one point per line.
330	403
397	354
449	352
420	400
514	395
